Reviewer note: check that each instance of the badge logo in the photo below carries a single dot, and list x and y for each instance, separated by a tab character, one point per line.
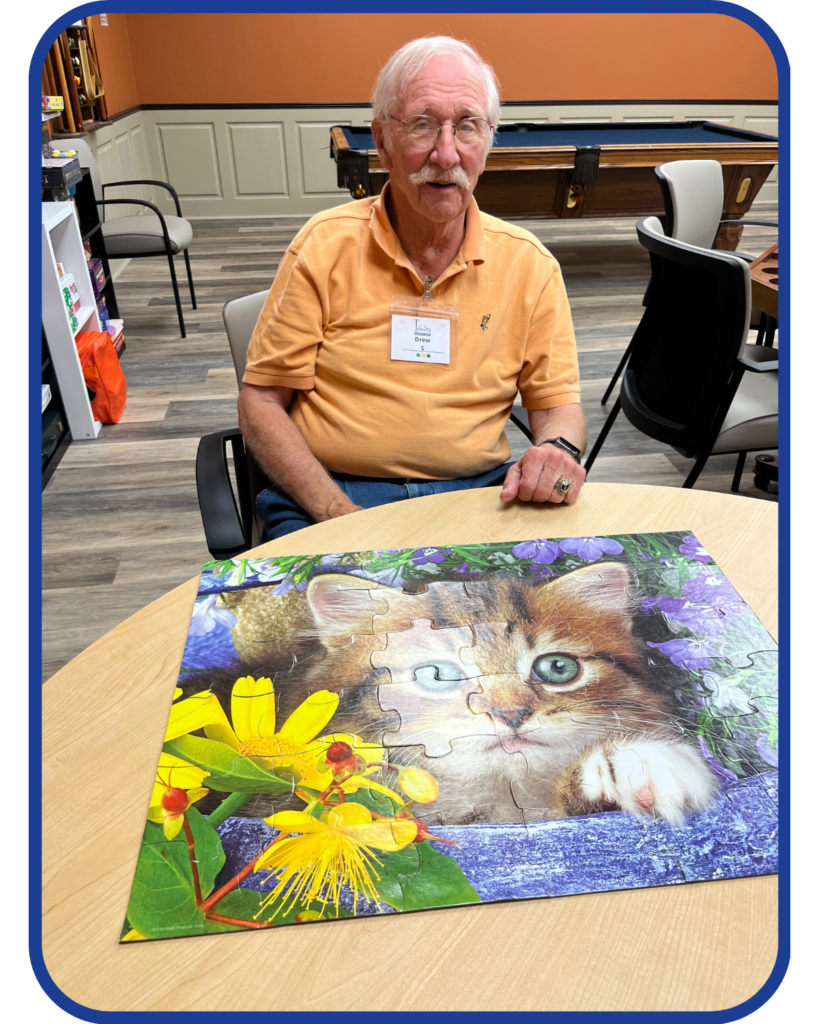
485	321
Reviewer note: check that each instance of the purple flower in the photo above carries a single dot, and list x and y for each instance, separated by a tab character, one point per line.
686	653
666	560
590	548
714	591
206	615
426	555
699	618
692	548
722	773
644	555
284	587
541	552
766	752
669	605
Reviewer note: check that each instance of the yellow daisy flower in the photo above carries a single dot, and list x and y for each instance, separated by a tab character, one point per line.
192	713
329	855
178	784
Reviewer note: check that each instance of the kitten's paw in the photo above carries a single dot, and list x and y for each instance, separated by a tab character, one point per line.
654	777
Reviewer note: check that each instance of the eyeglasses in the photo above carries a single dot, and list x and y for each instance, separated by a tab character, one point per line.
427	130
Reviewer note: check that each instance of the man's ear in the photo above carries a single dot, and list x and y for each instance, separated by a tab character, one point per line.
341	605
377	129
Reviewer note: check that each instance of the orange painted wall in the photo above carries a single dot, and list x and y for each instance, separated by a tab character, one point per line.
334	58
116	64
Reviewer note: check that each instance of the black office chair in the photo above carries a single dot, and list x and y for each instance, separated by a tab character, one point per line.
228	517
702	391
693	197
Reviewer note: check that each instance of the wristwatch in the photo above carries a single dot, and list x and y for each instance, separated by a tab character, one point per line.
564	446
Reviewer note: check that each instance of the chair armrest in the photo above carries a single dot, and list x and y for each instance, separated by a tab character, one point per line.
522	427
227	530
140	202
147	181
759	359
757	223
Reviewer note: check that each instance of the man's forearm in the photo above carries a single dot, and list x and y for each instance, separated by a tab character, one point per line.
285	456
564	421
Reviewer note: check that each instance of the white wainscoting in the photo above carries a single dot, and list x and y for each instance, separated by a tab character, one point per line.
276	162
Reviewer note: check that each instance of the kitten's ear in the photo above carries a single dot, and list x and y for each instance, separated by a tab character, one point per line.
604	588
341	604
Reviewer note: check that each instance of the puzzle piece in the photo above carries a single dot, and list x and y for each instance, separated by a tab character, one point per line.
425	647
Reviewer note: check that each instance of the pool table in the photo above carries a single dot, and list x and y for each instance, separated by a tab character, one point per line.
586	170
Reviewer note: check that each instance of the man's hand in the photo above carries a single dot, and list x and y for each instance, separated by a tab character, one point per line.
341	506
533	477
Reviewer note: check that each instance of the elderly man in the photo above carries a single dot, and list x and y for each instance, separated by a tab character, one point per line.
400	328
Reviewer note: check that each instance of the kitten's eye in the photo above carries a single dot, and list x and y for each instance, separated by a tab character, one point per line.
555	669
438	677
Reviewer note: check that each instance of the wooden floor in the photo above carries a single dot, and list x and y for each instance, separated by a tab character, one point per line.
121	522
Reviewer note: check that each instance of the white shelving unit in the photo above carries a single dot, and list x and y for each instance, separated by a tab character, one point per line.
62	243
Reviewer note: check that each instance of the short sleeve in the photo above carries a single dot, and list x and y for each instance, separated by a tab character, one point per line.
550	376
283	348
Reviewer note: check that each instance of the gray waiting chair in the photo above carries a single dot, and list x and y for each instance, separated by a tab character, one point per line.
693	197
147	235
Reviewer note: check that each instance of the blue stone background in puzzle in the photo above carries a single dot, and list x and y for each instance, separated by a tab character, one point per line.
735	838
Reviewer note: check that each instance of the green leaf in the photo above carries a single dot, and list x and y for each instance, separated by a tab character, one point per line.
439	882
230	771
241	904
163	901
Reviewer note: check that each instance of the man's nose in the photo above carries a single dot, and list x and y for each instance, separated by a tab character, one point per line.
445	153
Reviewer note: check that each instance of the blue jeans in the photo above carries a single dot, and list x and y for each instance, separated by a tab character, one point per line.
281	515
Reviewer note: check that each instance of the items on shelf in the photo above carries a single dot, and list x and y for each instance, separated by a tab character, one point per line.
61	173
97	272
102	310
116	328
46	396
53	103
54	427
71	78
71	294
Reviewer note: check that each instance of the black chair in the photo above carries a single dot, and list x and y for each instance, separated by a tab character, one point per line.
693	197
146	236
700	389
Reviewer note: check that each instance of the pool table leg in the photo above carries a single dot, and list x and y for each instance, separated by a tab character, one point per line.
728	237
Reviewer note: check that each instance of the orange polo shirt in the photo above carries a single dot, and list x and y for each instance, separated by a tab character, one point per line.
325	331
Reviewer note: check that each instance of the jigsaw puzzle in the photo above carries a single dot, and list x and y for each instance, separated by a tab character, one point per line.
397	730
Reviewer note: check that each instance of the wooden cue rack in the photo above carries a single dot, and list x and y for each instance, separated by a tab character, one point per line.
71	70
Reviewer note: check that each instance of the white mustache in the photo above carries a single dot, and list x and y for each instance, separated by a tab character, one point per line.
455	176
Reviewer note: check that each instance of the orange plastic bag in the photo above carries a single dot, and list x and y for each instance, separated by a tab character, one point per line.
103	375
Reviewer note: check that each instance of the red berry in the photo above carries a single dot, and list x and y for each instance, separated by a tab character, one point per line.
175	801
339	752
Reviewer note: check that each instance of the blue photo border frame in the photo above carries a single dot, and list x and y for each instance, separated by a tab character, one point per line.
35	473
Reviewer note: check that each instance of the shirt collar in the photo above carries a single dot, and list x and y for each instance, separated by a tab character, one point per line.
473	249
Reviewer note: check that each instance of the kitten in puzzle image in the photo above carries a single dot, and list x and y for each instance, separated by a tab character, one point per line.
517	695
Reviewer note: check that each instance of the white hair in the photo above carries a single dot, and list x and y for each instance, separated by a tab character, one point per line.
412	58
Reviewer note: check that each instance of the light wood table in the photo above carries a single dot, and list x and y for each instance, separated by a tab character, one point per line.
701	946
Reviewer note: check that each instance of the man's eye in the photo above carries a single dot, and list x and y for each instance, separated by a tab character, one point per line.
555	669
421	125
438	677
467	128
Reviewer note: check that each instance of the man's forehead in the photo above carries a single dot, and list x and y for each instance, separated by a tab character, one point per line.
446	81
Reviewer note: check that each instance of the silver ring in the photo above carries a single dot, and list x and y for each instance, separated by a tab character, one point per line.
562	486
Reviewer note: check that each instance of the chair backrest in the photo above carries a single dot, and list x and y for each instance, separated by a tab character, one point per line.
240	316
693	193
683	366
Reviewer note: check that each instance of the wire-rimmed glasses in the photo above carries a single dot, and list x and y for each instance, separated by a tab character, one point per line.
426	130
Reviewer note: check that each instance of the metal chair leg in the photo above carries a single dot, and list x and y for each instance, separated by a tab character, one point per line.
176	296
696	469
617	372
738	471
598	444
770	331
190	278
763	325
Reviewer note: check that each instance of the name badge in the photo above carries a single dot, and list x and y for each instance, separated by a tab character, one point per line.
420	339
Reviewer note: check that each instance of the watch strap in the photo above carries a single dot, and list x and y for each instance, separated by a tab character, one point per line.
564	446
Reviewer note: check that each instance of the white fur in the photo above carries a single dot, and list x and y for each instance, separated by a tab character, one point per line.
644	776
